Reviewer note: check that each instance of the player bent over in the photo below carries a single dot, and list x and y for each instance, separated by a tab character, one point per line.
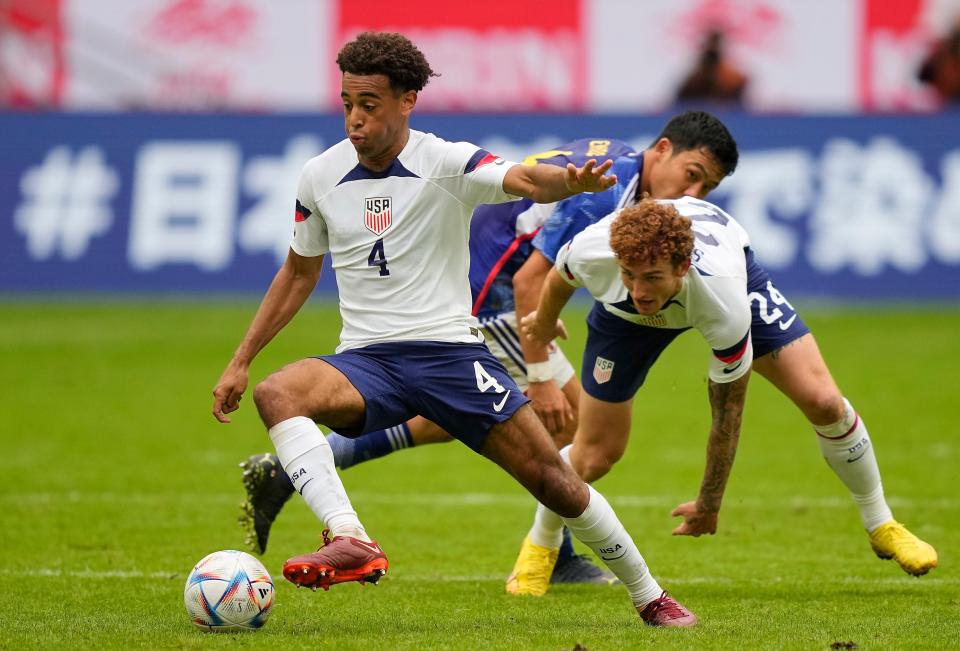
655	270
392	207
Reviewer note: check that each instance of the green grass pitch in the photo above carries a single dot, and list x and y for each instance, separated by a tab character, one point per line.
116	480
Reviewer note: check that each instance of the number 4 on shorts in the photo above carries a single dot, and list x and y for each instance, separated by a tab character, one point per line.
485	380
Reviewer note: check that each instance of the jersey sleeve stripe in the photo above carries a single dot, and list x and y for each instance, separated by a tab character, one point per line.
735	352
301	213
479	159
495	270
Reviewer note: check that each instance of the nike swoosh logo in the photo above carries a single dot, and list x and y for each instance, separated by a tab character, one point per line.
372	546
498	406
614	557
857	457
786	324
305	485
727	371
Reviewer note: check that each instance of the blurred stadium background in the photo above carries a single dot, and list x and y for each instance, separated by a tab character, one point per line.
151	149
155	145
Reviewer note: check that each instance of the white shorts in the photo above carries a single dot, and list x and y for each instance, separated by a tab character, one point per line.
503	339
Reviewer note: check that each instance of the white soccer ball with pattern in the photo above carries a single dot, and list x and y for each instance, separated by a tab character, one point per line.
229	591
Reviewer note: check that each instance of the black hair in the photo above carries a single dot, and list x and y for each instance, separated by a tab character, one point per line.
699	129
386	53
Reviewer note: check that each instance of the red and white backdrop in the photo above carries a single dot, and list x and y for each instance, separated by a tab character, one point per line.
494	55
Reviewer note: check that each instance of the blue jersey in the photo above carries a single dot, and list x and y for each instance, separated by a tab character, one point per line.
576	213
502	236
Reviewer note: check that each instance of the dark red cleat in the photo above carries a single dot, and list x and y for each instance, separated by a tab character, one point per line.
667	611
339	560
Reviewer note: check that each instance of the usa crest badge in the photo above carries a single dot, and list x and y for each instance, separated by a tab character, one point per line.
602	370
377	214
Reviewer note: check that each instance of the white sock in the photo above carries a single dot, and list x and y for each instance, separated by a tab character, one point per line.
308	460
547	529
599	528
848	450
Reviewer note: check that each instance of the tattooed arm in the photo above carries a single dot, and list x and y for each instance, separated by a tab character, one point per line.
726	404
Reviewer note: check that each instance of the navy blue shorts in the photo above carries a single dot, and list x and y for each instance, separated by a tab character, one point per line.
775	322
461	387
619	354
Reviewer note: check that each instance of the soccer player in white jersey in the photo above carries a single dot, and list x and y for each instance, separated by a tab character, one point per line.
392	207
501	240
656	269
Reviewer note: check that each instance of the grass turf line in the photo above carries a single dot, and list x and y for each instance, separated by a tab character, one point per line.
117	479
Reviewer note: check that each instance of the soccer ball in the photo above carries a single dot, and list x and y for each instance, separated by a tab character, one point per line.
228	591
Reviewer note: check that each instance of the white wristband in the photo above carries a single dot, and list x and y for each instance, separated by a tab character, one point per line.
539	372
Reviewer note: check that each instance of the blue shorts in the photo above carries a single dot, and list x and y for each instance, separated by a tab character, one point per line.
463	388
618	353
775	322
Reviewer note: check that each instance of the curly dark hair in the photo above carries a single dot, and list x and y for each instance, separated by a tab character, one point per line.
390	54
650	231
699	129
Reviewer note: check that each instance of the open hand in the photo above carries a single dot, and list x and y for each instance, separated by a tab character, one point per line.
695	522
591	177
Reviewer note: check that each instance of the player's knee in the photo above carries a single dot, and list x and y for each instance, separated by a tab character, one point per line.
272	399
823	407
595	462
562	491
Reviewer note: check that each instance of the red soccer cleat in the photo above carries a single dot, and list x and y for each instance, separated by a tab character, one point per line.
339	560
667	611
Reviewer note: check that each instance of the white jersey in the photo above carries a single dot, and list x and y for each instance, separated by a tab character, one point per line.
713	299
398	239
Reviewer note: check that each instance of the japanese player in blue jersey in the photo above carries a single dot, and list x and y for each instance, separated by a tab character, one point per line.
392	206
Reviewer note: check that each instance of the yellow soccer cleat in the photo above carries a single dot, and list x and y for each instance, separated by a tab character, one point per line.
531	573
893	540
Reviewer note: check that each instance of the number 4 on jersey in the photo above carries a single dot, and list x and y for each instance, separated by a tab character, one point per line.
378	258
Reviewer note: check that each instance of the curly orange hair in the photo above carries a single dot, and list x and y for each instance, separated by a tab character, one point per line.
649	232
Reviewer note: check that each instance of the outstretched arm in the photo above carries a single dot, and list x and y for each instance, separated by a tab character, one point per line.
287	294
548	183
726	404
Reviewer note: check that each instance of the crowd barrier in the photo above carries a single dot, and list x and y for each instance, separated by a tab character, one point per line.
864	207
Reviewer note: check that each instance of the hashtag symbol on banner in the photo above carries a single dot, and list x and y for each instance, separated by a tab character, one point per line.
65	203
